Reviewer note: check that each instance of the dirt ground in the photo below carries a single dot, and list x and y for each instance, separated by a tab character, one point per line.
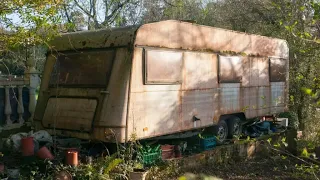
260	168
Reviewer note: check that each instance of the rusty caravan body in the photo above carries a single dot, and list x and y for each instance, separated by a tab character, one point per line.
152	80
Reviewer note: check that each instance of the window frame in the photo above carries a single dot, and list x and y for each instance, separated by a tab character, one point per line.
159	82
220	80
284	77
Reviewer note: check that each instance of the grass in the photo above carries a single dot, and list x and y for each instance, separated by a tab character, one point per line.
262	168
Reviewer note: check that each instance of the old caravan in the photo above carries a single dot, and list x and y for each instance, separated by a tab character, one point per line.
159	79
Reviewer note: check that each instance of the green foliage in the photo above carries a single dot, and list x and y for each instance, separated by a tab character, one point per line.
169	170
247	140
299	20
108	167
305	153
34	22
311	169
114	163
24	24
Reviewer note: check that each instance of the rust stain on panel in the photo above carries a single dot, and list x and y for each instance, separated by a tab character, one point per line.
246	72
230	97
200	71
198	104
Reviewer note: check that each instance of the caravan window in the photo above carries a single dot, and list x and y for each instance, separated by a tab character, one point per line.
277	70
163	66
230	69
82	68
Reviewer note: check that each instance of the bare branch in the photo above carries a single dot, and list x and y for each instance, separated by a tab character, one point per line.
93	10
106	4
115	12
84	10
66	13
170	4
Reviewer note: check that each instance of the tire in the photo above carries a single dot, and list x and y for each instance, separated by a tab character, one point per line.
234	126
221	131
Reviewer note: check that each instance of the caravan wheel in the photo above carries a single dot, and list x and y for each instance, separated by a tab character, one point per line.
221	131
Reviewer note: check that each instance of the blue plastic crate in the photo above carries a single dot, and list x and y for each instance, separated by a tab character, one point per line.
208	143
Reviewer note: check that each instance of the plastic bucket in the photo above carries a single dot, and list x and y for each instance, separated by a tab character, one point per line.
1	168
44	153
138	174
72	158
27	146
167	151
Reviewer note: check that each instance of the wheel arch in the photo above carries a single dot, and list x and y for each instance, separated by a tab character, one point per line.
240	115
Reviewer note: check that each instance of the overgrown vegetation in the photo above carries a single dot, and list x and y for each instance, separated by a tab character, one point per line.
114	166
99	169
273	162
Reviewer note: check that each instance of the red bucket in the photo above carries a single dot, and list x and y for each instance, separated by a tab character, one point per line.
44	153
167	151
27	146
1	168
72	158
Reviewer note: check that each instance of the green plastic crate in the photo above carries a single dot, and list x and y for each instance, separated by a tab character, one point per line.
151	158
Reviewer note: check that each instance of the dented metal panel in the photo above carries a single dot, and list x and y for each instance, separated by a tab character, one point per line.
249	98
199	104
264	100
230	97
